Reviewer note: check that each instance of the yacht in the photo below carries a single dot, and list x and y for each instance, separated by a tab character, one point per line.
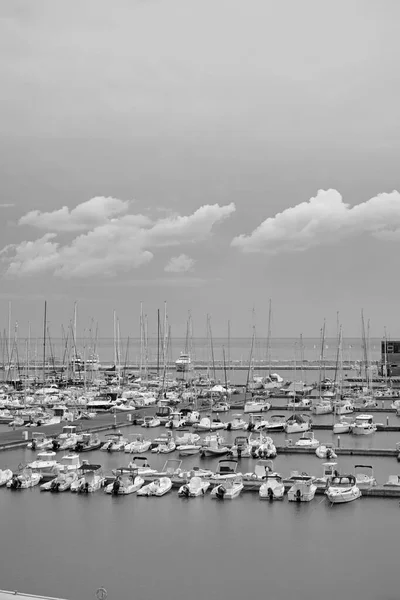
342	489
183	363
363	425
257	404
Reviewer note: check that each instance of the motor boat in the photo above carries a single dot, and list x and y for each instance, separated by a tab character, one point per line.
262	447
220	406
227	469
276	423
325	450
257	422
298	402
190	416
343	407
298	423
199	472
5	476
322	407
138	444
68	463
67	431
272	488
393	480
88	442
303	488
26	479
40	441
151	421
44	463
90	479
307	440
187	439
189	449
165	448
344	425
61	483
329	471
262	470
127	481
364	475
214	446
141	465
363	425
195	487
256	405
208	424
229	489
176	421
241	447
342	489
158	487
236	423
115	443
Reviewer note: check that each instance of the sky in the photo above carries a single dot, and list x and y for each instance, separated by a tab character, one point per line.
210	154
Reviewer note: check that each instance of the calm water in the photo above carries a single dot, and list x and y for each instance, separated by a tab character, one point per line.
167	547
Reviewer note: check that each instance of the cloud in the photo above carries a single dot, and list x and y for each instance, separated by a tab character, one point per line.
121	243
322	220
83	217
180	264
7	205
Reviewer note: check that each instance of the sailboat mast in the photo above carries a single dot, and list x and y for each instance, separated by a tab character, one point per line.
158	342
269	339
44	340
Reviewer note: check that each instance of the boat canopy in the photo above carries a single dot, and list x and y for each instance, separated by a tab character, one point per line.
87	467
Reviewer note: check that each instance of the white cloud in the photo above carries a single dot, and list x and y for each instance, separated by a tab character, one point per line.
120	243
83	217
322	220
180	264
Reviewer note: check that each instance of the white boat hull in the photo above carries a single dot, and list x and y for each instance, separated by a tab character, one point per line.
338	495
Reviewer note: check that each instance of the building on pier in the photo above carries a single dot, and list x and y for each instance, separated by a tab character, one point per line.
390	358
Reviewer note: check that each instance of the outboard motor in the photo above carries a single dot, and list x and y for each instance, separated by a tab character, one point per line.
79	447
116	486
14	482
56	444
220	493
270	493
298	496
185	491
229	426
55	486
34	444
250	427
239	452
328	453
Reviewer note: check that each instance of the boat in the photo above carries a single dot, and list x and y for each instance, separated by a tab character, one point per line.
90	479
214	446
363	425
158	487
69	462
220	406
5	476
344	425
26	479
262	447
187	439
343	407
206	424
67	431
165	448
322	407
257	404
127	481
261	471
61	483
237	423
298	402
273	487
196	487
115	443
241	447
276	423
227	469
342	489
189	449
229	489
44	463
303	488
151	421
393	480
307	440
257	422
176	421
325	450
88	442
138	444
364	475
40	441
141	465
329	471
298	423
183	363
163	413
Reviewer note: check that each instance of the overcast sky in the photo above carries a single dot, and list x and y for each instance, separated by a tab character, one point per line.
208	153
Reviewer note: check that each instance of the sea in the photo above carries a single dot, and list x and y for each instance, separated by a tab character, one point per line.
136	548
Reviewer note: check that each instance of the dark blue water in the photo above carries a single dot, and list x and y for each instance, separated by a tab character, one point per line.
169	548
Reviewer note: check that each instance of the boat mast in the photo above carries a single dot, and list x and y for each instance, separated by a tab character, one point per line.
44	341
9	334
158	342
269	339
321	358
141	339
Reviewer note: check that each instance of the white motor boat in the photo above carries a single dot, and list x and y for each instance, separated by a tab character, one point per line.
138	444
214	446
141	465
176	421
303	488
364	475
237	423
307	440
26	479
343	407
325	450
44	464
227	469
257	422
339	492
262	447
220	406
67	431
241	447
393	480
61	483
276	423
90	479
165	448
195	487
262	470
344	425
158	487
208	424
189	449
273	487
5	476
187	439
297	423
229	489
322	407
363	425
68	463
40	441
256	405
328	473
115	443
127	481
151	421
